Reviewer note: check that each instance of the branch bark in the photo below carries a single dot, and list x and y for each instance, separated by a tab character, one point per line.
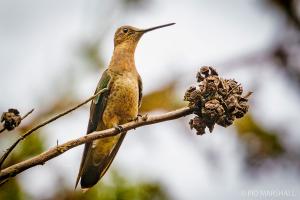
11	148
60	149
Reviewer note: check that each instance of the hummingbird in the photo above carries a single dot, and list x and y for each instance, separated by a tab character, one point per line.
120	95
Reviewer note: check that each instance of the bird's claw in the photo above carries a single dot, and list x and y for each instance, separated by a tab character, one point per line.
145	117
142	117
119	128
137	118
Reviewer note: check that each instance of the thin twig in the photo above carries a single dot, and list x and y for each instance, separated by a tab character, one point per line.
60	149
27	113
248	94
3	129
3	182
9	150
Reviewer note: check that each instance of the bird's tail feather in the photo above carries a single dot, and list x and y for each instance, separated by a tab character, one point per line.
92	173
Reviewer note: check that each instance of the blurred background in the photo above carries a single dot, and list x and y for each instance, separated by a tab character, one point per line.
52	54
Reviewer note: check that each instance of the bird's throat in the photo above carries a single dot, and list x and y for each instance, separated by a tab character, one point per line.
123	59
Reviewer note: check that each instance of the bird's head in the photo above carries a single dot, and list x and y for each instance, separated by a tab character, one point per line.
129	36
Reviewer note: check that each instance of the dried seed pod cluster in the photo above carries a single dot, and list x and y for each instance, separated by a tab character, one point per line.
11	119
216	100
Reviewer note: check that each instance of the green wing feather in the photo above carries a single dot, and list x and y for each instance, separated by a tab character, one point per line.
93	167
107	160
140	89
96	111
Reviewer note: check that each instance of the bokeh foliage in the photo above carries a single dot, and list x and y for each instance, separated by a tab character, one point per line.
117	189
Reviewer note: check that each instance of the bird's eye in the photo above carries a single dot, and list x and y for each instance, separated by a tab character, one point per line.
125	30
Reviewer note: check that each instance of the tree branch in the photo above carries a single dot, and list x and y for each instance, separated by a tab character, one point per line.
60	149
9	150
214	101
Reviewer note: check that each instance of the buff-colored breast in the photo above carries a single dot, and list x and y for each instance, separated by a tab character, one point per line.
122	104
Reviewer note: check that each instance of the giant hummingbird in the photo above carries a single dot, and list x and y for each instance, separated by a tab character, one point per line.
120	94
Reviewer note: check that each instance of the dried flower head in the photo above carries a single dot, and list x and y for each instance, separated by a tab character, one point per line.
11	119
216	100
198	124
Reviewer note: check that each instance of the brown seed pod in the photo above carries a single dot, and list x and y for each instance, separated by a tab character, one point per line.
198	124
205	71
216	100
199	77
11	119
213	71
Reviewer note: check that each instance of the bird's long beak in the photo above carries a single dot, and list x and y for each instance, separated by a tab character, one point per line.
156	27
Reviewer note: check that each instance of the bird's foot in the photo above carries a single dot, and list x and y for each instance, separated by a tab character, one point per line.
145	117
119	128
137	118
141	117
